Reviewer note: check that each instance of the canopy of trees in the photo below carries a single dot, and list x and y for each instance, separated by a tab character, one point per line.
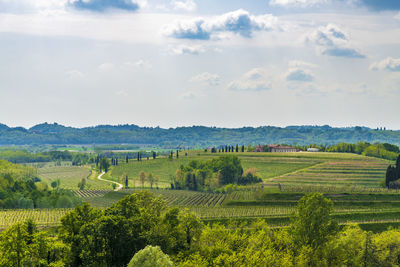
141	231
209	175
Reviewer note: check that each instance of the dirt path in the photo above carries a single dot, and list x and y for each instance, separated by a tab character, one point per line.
120	186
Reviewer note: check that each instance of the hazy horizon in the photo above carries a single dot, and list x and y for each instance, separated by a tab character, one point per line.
197	125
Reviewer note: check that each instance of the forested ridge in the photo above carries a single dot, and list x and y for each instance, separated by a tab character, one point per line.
195	136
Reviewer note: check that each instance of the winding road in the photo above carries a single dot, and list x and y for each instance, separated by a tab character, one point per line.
120	186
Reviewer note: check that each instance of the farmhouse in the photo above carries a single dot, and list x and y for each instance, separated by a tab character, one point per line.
276	148
312	149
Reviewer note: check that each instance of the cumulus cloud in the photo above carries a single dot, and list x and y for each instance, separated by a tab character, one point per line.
299	75
103	5
300	71
186	50
207	78
255	80
298	3
238	22
333	41
188	5
389	63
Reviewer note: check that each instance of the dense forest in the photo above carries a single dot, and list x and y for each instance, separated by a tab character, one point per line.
140	230
195	136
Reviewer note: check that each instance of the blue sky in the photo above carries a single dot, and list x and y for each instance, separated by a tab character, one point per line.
221	63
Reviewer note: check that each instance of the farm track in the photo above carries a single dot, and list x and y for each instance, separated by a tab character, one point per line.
120	186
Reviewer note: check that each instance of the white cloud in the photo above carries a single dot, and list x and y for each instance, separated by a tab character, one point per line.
300	71
397	16
188	5
333	41
389	63
207	78
187	50
238	22
105	67
255	80
298	3
301	75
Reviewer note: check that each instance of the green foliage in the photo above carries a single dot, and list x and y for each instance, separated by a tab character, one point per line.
150	257
104	164
385	150
312	224
211	174
110	237
23	245
19	189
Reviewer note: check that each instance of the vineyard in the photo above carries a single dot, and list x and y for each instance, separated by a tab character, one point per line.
43	217
351	181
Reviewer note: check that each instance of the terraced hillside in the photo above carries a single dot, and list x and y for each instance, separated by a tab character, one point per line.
368	172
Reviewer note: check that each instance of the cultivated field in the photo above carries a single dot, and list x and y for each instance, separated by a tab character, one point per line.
70	177
351	181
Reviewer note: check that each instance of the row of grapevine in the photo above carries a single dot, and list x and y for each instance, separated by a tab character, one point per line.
42	217
90	193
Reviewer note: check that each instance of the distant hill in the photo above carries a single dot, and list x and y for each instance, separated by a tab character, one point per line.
195	136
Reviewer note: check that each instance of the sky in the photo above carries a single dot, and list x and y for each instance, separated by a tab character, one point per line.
224	63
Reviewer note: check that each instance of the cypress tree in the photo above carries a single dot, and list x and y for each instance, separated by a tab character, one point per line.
138	156
391	175
177	154
242	148
126	159
398	167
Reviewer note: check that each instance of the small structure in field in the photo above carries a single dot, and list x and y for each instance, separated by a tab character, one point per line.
312	149
279	148
276	148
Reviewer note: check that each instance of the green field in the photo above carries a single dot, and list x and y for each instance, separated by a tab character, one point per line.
70	176
351	181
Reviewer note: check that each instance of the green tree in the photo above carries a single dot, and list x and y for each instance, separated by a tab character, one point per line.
70	232
104	164
312	224
150	257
